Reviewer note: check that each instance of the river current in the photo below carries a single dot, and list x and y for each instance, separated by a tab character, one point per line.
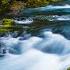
50	50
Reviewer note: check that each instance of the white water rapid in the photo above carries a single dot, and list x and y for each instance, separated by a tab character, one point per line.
51	52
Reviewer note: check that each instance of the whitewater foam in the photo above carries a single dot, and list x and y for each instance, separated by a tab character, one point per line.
33	56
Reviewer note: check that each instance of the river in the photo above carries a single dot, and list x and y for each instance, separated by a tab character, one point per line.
47	50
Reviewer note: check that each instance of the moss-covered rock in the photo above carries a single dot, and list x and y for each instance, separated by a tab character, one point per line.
6	26
8	23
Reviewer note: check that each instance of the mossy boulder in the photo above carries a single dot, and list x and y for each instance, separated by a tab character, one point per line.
8	23
9	26
6	26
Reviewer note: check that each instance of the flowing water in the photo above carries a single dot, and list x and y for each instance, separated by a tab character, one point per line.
48	50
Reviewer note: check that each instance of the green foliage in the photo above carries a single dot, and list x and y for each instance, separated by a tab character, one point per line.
36	3
16	5
4	6
4	2
68	68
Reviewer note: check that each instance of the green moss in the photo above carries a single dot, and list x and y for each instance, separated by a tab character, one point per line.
8	23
